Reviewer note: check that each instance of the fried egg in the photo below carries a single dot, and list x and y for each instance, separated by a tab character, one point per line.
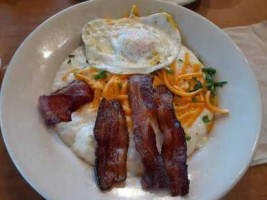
134	45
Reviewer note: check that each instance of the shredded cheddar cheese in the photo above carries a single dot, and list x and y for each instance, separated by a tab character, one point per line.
186	84
72	71
191	75
84	78
185	64
157	82
187	115
196	67
135	11
122	97
214	108
170	19
175	91
189	122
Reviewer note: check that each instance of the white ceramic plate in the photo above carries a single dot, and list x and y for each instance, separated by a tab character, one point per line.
180	2
56	173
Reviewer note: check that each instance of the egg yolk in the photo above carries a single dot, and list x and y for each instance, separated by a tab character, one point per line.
137	44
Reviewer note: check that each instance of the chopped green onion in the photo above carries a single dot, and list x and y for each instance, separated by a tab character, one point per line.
206	119
194	99
210	83
213	92
170	71
187	137
71	56
220	84
101	75
87	61
180	60
69	61
197	86
119	86
209	70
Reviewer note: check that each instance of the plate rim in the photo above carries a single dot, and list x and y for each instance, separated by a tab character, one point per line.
28	38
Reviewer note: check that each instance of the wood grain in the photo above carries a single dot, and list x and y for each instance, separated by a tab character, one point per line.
19	17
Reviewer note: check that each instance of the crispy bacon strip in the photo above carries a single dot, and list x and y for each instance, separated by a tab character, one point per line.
58	106
112	138
174	144
141	101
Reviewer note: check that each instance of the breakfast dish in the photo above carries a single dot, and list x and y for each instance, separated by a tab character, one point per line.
133	99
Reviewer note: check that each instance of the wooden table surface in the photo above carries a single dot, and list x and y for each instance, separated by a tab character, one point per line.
19	17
